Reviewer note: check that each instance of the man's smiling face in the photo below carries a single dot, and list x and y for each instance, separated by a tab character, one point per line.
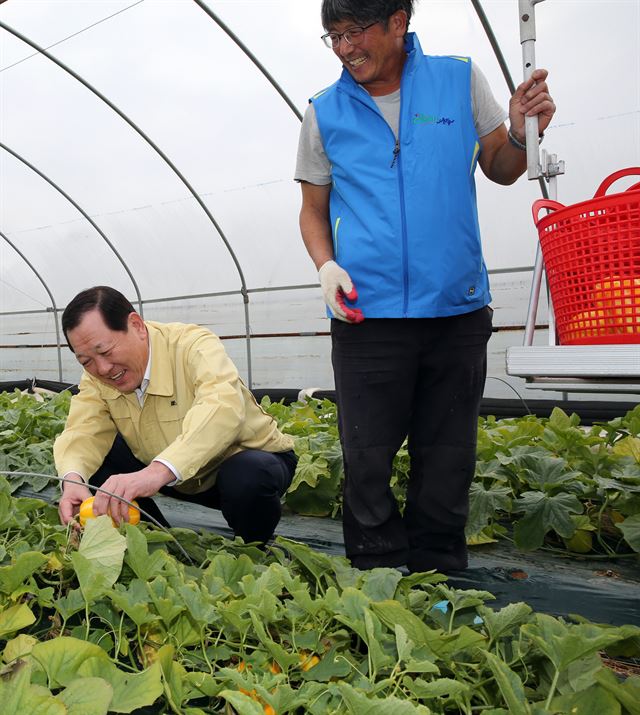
118	358
377	59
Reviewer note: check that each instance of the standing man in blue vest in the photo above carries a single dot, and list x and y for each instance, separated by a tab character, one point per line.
386	162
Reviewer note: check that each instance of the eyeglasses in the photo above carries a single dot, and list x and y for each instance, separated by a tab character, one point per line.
353	36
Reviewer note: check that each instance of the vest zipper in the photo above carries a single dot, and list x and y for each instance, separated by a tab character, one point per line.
403	215
396	151
405	243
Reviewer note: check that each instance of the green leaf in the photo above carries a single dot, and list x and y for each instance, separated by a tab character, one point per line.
70	604
200	606
380	584
438	688
282	657
11	577
393	614
134	602
627	693
593	701
15	618
242	704
379	659
510	685
103	546
565	644
93	582
483	505
547	473
314	488
62	657
98	561
130	690
172	677
542	514
144	566
403	645
358	702
18	647
334	665
630	527
561	421
19	697
506	620
316	563
87	696
231	569
628	446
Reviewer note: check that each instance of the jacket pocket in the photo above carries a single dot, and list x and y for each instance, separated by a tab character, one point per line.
120	410
168	410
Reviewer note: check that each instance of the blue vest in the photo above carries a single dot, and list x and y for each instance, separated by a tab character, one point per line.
404	217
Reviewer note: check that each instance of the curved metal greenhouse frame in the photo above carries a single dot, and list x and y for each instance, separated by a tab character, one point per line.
165	158
243	291
54	307
81	211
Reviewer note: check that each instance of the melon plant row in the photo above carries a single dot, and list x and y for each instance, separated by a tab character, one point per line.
119	620
541	482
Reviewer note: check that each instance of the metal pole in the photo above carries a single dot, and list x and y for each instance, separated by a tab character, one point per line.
534	297
251	56
528	41
166	159
83	212
484	20
51	298
549	169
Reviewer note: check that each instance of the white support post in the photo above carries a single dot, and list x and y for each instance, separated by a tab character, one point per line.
528	42
548	169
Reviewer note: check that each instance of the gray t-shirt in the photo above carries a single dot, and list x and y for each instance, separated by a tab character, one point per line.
313	166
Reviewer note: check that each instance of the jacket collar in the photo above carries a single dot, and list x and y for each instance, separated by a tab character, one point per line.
161	381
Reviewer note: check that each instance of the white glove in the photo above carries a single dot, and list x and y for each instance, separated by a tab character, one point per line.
336	286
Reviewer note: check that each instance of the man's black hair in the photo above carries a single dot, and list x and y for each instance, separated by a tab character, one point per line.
362	12
111	304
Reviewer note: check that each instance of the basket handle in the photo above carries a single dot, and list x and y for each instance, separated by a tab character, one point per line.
544	204
604	186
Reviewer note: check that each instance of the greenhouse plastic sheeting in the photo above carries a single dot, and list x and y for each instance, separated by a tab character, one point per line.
190	88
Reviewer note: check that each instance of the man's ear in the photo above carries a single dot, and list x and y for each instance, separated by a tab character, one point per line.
136	323
398	23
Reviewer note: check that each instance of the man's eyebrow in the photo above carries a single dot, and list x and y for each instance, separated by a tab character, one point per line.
97	348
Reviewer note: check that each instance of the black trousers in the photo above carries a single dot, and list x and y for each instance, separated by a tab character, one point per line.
247	490
421	378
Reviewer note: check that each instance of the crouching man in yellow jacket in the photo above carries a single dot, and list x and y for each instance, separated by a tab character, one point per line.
161	407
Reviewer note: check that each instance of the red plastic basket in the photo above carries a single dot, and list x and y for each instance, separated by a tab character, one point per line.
591	252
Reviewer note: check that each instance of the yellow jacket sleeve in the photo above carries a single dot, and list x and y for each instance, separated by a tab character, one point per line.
88	434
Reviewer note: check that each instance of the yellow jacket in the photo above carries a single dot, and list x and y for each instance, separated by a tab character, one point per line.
197	412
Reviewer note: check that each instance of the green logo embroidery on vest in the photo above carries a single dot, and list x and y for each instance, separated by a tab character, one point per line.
419	118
